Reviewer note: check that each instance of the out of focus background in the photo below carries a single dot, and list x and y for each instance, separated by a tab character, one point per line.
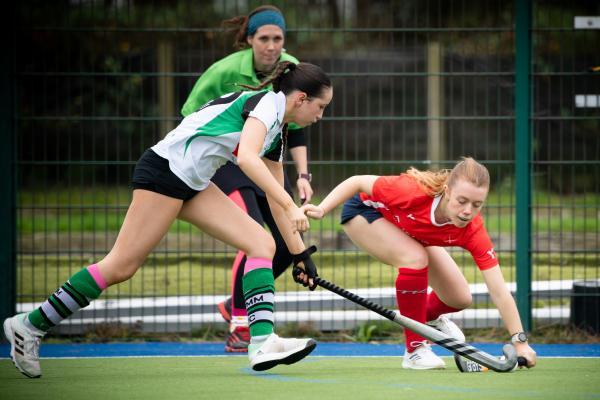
87	86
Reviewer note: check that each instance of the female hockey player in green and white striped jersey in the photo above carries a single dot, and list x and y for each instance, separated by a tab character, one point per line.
172	180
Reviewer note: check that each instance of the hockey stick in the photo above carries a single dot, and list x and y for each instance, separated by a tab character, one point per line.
494	363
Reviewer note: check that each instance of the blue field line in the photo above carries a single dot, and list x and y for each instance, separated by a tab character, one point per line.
163	349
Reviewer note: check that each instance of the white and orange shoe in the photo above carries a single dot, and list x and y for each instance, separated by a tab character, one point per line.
238	340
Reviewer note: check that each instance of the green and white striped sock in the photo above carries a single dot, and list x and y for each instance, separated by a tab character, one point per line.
259	294
76	293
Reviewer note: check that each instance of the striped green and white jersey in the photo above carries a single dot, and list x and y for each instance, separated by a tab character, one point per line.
210	137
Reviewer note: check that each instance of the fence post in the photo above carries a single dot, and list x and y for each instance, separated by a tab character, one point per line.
436	141
166	86
523	159
8	281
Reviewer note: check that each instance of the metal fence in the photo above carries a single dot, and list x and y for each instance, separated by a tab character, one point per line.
417	83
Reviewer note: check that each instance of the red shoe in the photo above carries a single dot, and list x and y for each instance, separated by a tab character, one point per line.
238	340
225	309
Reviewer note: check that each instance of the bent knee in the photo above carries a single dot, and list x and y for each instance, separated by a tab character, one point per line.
263	246
462	301
416	259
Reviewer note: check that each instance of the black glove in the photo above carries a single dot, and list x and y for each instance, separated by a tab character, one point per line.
310	268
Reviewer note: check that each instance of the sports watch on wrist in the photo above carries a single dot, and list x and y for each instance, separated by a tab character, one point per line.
519	337
308	177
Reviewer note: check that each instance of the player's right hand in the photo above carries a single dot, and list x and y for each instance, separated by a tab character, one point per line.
298	219
523	350
314	212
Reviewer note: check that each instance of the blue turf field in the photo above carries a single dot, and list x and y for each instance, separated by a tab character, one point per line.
150	349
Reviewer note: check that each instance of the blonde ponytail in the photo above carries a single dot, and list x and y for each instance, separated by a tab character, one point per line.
431	181
434	182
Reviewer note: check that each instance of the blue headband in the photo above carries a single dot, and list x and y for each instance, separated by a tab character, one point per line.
266	17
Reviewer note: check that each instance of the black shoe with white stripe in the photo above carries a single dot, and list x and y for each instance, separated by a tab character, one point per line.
24	346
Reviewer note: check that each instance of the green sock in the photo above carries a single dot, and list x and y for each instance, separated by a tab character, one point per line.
74	294
259	293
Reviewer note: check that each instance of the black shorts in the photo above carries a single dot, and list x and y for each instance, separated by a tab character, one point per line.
354	207
152	173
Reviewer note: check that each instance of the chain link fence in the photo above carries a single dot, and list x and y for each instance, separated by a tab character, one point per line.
417	83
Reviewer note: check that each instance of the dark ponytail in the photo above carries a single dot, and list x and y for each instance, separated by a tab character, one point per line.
287	77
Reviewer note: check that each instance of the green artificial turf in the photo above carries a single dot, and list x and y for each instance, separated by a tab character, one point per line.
314	378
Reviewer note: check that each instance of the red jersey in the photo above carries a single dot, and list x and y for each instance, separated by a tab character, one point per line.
402	201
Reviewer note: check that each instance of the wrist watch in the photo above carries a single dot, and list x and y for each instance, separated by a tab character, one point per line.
308	177
519	337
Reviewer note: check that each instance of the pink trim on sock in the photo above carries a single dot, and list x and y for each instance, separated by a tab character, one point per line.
95	273
253	263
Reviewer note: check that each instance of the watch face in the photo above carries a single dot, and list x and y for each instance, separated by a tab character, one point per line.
522	337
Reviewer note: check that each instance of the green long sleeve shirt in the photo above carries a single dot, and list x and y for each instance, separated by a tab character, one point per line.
223	77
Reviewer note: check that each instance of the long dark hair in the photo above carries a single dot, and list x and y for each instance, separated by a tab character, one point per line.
239	26
287	77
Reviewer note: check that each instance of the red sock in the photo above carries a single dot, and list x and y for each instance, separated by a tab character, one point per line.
411	295
436	307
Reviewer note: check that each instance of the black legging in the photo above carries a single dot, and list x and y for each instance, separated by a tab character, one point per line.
258	208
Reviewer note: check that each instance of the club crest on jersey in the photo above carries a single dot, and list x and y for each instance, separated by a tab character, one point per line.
450	240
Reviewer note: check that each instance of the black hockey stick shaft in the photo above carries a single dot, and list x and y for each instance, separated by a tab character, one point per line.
428	332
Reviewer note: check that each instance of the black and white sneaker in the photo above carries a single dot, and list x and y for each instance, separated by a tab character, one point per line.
275	350
24	346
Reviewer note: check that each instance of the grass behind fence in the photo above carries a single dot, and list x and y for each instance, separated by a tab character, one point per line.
103	209
210	274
